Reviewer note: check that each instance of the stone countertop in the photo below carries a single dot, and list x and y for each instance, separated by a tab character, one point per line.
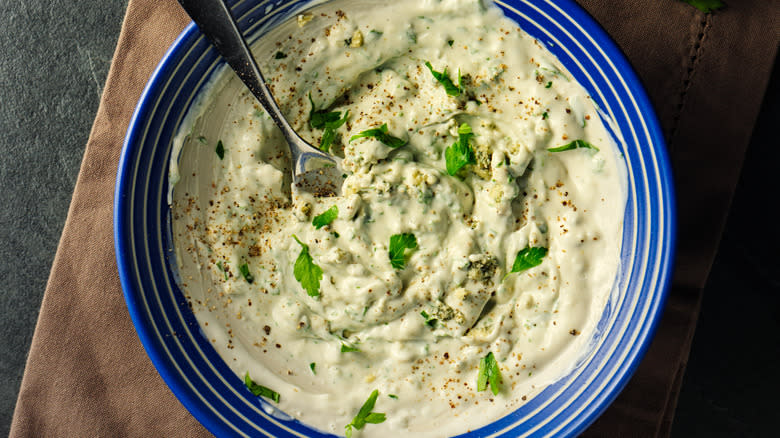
55	59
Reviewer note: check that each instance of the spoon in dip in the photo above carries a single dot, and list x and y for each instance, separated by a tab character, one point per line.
313	170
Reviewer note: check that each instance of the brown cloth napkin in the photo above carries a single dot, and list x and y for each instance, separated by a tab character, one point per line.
88	375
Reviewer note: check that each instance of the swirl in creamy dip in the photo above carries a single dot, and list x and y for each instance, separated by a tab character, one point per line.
420	327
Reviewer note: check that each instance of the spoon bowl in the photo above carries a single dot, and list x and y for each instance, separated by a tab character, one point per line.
313	170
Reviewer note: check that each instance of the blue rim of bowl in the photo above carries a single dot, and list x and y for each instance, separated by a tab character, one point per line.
633	352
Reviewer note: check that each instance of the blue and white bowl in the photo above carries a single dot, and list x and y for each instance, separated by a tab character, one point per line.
217	397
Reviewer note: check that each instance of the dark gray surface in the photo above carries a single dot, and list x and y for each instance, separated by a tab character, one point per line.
55	57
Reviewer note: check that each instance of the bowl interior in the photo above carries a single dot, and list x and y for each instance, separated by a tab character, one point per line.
211	391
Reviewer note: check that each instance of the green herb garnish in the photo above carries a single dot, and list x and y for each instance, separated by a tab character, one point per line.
365	415
576	144
393	396
545	115
527	258
220	150
246	274
706	6
313	368
549	84
489	373
328	121
280	55
330	132
319	118
260	390
460	153
222	268
326	217
429	320
449	42
381	134
444	80
306	271
401	246
348	348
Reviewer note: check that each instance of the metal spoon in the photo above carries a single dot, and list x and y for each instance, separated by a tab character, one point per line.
313	170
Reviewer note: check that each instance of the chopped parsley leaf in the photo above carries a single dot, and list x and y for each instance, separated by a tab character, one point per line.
444	80
528	258
393	396
450	42
489	373
545	115
365	415
330	132
319	118
260	390
381	134
280	55
549	84
401	246
328	121
576	144
220	150
313	367
429	320
460	153
246	274
348	348
306	271
326	218
706	6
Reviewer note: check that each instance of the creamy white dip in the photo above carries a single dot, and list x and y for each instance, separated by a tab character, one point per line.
232	207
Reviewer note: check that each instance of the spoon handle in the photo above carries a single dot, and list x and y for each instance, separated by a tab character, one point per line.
215	21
